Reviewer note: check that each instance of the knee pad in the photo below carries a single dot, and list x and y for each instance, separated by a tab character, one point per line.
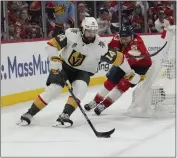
52	91
109	85
123	85
79	89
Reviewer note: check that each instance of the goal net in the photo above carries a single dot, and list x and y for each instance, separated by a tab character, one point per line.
155	96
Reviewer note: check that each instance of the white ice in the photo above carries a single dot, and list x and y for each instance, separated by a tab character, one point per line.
133	136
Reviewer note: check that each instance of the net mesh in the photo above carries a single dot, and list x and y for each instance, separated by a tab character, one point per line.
155	97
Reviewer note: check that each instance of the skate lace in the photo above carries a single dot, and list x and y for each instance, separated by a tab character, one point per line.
64	116
101	107
27	116
92	104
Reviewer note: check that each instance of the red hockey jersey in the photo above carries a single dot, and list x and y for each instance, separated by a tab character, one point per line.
135	48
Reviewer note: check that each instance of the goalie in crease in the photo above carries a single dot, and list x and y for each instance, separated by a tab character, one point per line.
74	56
117	83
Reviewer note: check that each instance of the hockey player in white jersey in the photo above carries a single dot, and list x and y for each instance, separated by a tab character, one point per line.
76	55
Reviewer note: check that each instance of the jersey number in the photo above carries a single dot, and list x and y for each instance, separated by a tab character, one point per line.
61	37
111	55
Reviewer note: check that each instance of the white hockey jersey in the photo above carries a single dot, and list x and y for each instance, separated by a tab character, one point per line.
82	56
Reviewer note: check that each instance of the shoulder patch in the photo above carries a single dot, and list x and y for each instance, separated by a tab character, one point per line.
116	38
101	44
74	30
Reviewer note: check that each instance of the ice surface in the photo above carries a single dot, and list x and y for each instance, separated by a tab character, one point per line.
133	136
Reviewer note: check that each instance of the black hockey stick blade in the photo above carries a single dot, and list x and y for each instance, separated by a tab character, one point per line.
150	55
105	134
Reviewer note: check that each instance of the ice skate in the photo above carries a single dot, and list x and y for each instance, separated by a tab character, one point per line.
25	119
63	121
99	109
90	105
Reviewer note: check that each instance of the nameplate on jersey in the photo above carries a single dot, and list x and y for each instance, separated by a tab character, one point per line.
76	58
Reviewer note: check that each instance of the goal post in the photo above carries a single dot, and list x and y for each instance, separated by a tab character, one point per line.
155	96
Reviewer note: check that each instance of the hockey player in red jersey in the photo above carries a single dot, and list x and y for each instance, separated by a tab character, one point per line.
116	84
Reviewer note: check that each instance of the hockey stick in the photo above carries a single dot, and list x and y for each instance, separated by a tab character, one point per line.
98	134
149	55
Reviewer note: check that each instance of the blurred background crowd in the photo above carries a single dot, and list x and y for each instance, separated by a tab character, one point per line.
41	19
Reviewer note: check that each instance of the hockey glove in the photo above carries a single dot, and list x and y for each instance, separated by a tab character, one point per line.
133	77
143	77
55	64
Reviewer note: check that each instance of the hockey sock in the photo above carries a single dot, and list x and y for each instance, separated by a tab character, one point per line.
70	106
117	92
37	106
112	97
108	86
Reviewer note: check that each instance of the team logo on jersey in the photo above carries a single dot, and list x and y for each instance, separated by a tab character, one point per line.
134	47
117	38
101	44
76	58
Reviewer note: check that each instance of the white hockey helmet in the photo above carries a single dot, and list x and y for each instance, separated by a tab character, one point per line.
89	23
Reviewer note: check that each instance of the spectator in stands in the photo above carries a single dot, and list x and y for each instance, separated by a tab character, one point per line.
13	11
22	15
11	31
112	7
105	4
64	13
35	12
104	22
151	26
50	18
35	32
127	8
137	19
25	17
142	3
151	17
125	20
82	12
21	24
161	22
168	9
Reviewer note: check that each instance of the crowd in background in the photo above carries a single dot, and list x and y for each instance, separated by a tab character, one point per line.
36	19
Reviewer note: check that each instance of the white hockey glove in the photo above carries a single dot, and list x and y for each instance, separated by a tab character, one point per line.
55	64
133	77
55	61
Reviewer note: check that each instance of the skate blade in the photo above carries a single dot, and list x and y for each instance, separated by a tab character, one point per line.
22	123
60	125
